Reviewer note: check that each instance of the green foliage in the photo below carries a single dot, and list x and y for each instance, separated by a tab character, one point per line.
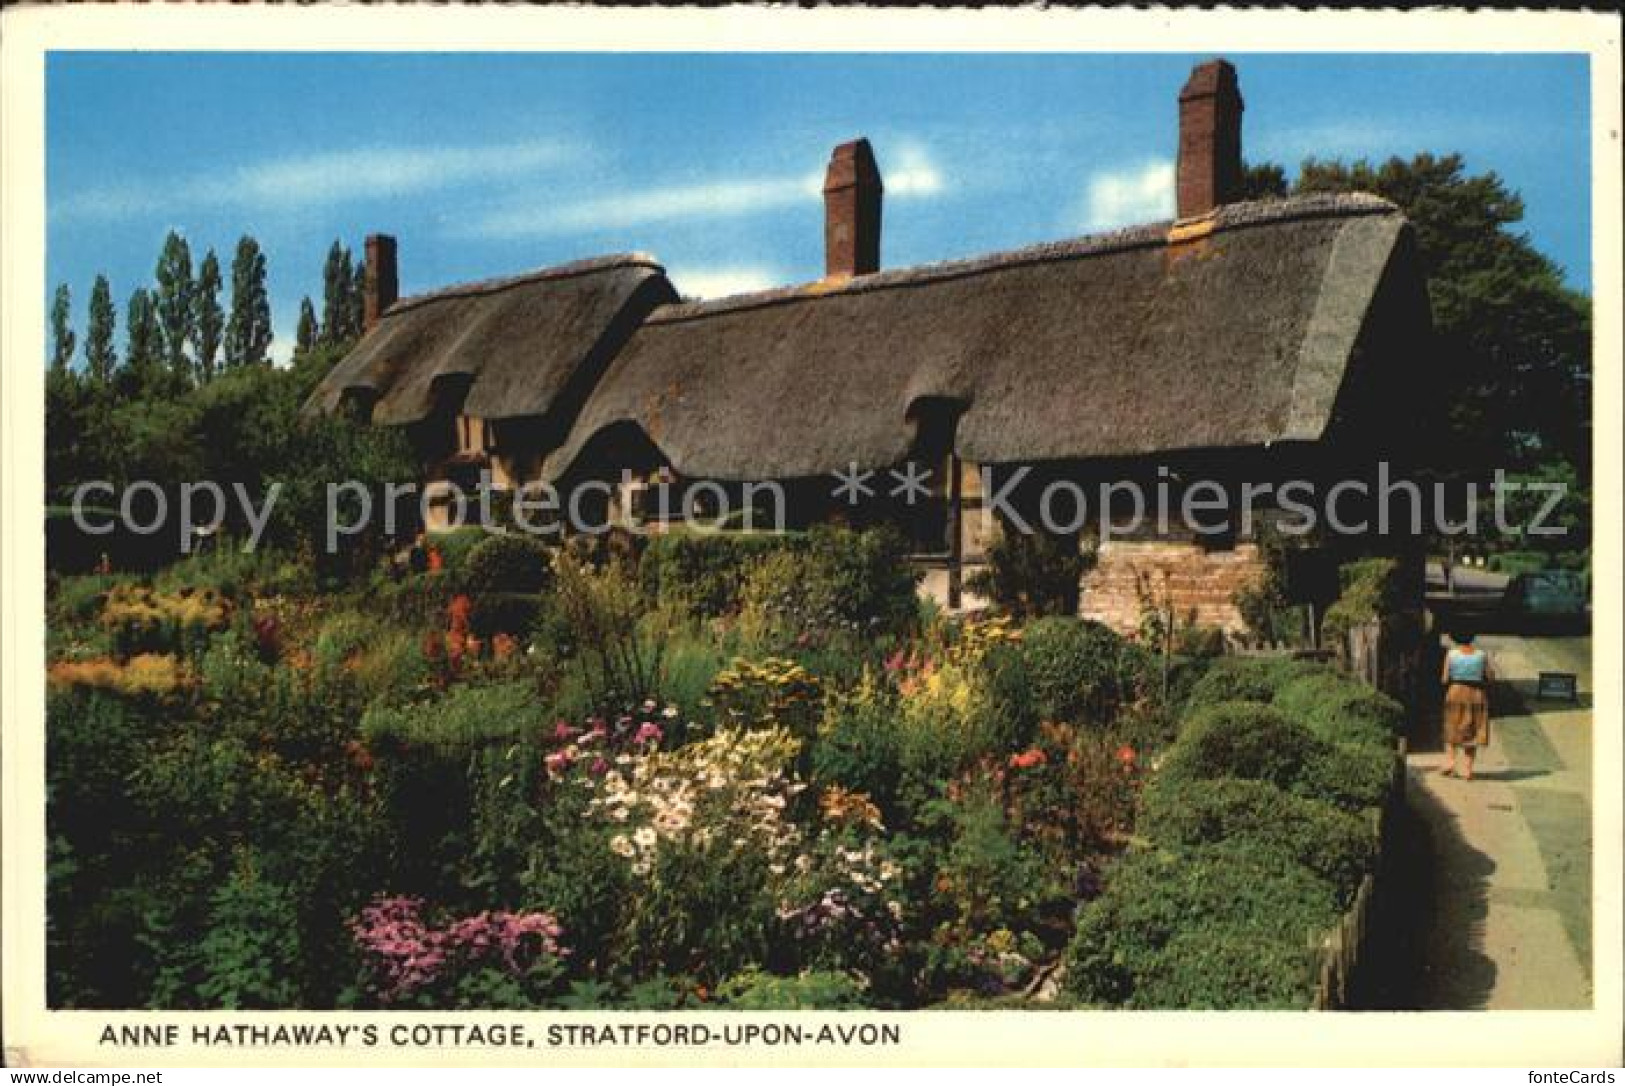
506	563
1341	709
174	304
859	745
62	337
810	990
208	319
1033	573
250	954
1140	944
1243	740
248	328
1513	563
1248	678
840	584
101	358
1081	671
466	717
1272	828
602	607
1373	588
702	573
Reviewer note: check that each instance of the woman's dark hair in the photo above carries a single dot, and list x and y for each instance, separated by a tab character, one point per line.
1463	637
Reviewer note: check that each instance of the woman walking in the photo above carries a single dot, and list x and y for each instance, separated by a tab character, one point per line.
1466	679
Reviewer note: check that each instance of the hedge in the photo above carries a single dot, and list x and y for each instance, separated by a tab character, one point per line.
1340	709
703	573
1252	817
1248	678
1137	945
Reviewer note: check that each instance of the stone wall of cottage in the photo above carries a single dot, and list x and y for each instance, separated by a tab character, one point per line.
1192	577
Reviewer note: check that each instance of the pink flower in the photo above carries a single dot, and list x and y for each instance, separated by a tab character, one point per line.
649	733
563	732
600	766
559	761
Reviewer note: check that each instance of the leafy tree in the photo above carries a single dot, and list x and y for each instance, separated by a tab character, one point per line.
101	358
1263	181
62	339
338	282
358	294
174	301
208	320
144	344
306	335
248	331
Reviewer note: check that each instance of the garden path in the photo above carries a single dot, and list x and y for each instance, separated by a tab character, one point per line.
1511	849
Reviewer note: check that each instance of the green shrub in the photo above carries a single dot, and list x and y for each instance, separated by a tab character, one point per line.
250	955
703	573
79	599
1513	563
1248	678
1243	740
467	716
456	545
1354	777
1342	709
811	990
1010	716
1032	573
1255	817
841	583
1228	970
858	745
511	613
506	563
1373	588
1081	671
1155	900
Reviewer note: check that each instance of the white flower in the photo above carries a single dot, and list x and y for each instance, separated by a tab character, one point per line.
669	712
620	846
645	837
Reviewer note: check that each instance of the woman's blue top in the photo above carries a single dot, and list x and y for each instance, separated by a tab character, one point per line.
1467	668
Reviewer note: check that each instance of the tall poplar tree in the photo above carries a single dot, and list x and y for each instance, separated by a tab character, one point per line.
174	302
248	331
208	319
101	357
62	338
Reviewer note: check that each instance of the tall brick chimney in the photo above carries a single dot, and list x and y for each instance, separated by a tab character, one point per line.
382	286
852	212
1209	139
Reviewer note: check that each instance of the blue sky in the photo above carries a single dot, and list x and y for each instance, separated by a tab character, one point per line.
485	165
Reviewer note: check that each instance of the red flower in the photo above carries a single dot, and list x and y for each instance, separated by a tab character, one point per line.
1027	759
1126	755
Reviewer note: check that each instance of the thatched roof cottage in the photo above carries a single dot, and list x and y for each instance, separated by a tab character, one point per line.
1255	340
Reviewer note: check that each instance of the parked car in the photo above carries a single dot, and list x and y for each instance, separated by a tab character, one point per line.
1549	598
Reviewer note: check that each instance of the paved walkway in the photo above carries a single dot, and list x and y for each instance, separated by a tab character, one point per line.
1511	849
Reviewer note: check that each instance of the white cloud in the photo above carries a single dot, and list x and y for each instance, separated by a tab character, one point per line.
915	175
1136	194
320	178
719	282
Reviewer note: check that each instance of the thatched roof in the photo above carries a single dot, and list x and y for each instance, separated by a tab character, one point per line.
1116	345
521	341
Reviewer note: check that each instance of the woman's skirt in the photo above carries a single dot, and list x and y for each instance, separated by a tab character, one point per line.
1466	715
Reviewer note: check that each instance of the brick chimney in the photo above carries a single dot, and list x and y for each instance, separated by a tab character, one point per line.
1209	139
382	286
852	212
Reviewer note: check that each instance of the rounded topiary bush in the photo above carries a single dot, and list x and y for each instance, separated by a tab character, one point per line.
1248	678
1352	776
507	563
1256	821
1155	898
1081	671
1223	970
1342	709
1245	740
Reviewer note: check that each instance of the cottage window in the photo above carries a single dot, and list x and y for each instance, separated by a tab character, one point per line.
473	435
